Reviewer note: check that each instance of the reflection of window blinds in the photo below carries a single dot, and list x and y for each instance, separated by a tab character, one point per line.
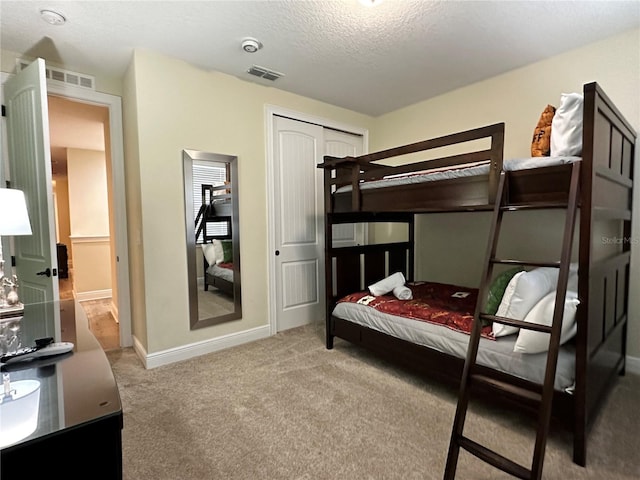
211	173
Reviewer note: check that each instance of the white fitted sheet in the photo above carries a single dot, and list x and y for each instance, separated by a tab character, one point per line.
469	171
224	273
496	354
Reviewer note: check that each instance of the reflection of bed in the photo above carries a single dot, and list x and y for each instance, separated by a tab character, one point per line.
216	208
219	276
594	357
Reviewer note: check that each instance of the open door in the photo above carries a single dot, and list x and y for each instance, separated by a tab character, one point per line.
25	97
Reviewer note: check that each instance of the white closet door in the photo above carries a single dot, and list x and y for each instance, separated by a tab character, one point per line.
299	226
299	217
341	144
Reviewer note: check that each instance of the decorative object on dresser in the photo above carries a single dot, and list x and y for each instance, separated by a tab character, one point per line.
14	220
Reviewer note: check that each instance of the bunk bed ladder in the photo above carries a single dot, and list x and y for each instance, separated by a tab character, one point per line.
471	377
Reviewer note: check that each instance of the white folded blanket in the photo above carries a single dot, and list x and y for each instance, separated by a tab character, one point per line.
387	285
402	293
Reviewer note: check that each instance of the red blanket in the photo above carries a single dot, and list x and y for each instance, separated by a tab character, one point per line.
448	305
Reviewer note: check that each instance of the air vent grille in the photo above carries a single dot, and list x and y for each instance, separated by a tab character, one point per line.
66	77
265	73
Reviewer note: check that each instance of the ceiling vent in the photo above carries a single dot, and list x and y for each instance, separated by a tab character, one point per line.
60	76
264	73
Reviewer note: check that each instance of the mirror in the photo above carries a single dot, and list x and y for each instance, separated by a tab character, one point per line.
213	240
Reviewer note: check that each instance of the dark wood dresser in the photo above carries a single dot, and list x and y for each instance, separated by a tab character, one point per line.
78	431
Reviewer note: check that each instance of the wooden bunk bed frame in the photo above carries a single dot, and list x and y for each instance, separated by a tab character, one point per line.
606	185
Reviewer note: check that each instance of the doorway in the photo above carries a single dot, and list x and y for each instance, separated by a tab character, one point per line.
83	207
115	149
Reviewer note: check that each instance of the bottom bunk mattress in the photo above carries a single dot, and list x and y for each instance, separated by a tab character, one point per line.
439	317
222	270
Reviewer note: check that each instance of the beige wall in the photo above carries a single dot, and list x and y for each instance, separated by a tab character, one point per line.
179	106
89	213
91	268
61	190
88	197
517	98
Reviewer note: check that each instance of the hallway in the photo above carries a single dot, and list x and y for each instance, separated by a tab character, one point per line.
101	321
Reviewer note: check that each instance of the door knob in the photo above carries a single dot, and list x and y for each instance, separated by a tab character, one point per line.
277	252
46	273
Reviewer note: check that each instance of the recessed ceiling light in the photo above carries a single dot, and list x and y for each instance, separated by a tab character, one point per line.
370	3
54	18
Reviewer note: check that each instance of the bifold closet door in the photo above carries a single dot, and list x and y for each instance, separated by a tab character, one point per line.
299	217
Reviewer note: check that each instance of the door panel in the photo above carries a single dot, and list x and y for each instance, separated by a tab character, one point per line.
299	217
341	144
30	171
299	230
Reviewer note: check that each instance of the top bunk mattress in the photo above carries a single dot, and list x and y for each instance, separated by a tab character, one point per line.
467	171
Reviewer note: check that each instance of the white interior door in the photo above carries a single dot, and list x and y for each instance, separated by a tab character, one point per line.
30	170
299	228
299	217
342	144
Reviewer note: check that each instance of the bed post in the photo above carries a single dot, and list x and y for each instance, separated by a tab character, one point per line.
328	262
495	165
608	153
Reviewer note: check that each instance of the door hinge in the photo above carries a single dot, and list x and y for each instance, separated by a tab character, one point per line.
13	260
4	111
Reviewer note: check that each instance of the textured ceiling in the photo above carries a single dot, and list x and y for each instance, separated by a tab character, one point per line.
368	59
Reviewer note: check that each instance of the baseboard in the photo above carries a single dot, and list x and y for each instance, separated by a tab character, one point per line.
633	365
114	311
141	352
178	354
93	295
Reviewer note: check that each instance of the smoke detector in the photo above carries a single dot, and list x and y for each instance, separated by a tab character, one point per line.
251	45
52	17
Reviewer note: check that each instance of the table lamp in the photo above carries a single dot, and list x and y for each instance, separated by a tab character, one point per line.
14	220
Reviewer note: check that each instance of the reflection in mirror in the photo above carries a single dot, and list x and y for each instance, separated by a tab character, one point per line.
213	240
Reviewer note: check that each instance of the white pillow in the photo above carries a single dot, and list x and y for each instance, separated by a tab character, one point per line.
209	253
566	126
530	341
500	330
528	288
217	247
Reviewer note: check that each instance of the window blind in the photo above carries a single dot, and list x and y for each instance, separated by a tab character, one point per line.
208	173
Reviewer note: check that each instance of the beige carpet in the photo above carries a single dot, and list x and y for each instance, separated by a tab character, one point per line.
287	408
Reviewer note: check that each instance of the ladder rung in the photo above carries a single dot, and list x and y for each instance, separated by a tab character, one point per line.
493	458
512	390
537	327
525	262
534	206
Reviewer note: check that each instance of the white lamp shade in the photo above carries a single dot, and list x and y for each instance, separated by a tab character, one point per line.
14	219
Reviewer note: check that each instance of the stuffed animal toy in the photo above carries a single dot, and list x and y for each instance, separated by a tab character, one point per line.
541	143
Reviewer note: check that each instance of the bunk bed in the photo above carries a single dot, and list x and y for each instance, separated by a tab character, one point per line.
376	187
216	208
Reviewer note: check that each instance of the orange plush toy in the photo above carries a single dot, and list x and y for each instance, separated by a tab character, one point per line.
541	143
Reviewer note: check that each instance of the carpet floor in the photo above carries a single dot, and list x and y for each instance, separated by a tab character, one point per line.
287	408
